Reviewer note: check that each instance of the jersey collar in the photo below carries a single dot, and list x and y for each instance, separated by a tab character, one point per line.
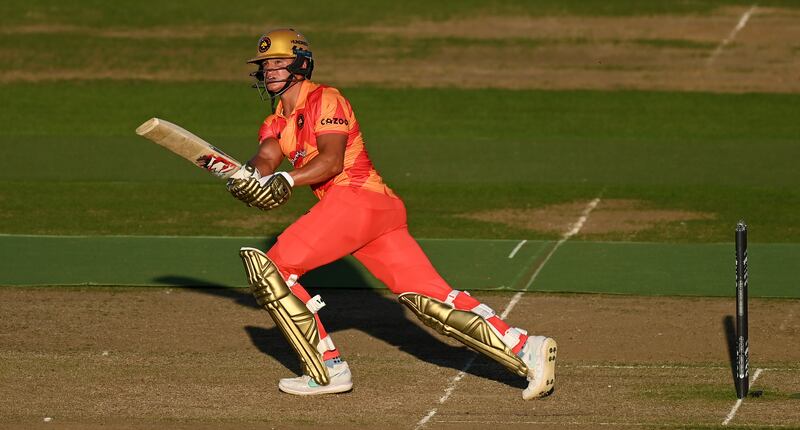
306	87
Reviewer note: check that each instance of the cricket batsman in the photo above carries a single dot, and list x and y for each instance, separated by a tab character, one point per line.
316	129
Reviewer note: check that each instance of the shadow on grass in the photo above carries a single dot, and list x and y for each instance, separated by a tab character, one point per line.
730	337
359	307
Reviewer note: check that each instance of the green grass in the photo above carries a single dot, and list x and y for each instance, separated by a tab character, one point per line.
675	43
214	56
667	269
149	13
78	168
645	269
75	165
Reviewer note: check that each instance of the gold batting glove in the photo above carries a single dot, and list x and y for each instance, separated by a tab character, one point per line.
244	182
275	190
264	193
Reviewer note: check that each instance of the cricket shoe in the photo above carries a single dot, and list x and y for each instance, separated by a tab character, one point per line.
340	377
539	353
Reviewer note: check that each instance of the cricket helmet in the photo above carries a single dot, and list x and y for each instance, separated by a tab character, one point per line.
283	43
286	43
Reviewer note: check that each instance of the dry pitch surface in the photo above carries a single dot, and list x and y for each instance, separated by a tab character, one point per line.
144	358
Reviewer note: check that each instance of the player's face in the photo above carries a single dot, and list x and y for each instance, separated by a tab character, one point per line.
276	73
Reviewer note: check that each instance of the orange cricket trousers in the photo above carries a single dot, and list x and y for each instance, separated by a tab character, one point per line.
372	227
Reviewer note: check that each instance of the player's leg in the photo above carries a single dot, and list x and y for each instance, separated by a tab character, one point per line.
396	259
338	370
295	314
333	228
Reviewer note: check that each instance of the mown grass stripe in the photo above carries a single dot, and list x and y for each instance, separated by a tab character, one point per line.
578	266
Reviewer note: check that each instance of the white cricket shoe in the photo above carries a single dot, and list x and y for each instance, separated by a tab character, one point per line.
539	353
341	381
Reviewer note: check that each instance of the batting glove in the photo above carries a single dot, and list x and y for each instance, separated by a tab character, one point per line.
264	193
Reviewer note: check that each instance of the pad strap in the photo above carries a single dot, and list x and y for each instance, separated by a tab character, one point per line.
325	344
451	297
484	311
315	304
512	336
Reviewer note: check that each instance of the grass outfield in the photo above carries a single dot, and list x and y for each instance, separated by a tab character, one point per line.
152	13
643	269
731	156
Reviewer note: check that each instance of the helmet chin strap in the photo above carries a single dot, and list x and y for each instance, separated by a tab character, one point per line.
273	95
302	65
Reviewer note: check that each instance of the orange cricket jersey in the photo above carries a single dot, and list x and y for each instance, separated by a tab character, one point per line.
320	110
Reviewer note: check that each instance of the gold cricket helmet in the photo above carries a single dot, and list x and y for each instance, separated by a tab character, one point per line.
281	43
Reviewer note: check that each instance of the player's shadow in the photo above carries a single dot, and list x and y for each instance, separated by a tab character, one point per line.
730	338
359	307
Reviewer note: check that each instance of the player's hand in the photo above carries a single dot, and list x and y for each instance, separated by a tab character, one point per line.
264	193
242	183
275	191
246	171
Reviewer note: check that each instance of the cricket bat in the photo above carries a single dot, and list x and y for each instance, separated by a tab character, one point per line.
182	142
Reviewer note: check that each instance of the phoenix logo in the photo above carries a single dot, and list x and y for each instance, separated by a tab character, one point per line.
264	44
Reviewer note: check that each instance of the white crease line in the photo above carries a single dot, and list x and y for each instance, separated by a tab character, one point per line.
634	366
519	245
740	25
739	401
665	366
447	392
732	413
514	300
572	232
511	304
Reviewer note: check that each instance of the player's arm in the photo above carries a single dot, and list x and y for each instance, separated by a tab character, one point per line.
328	163
268	157
257	184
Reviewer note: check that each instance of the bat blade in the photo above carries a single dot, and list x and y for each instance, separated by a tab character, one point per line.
189	146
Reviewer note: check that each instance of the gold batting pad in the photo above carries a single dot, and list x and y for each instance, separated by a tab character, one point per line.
468	327
289	312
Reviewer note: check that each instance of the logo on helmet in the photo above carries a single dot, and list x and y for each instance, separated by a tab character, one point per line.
263	44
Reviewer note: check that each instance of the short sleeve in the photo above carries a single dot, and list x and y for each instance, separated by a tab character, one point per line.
335	114
271	127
